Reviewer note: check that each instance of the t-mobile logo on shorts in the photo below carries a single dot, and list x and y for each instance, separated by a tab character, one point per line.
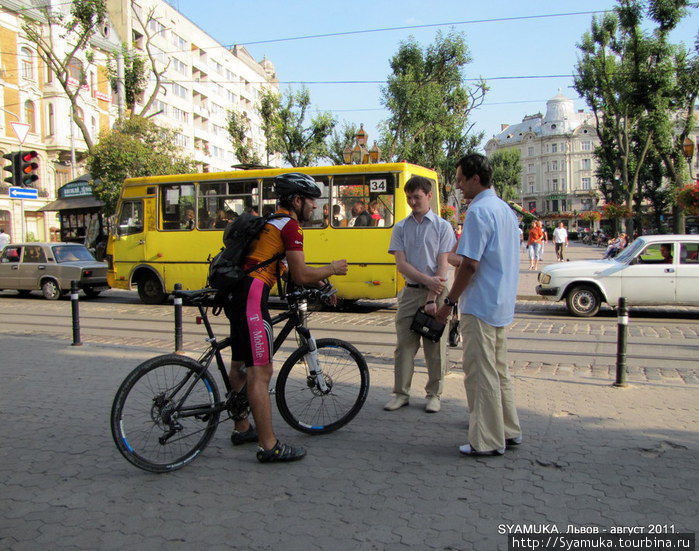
258	343
254	317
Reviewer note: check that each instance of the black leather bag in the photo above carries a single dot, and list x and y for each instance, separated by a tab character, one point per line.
425	325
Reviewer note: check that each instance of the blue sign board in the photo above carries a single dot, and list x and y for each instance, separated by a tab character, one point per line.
23	193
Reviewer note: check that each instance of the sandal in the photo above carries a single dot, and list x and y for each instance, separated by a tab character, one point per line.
280	452
238	438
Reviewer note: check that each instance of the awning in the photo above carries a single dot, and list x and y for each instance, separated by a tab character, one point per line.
72	203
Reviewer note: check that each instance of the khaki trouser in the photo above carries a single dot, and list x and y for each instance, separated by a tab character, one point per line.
489	389
408	343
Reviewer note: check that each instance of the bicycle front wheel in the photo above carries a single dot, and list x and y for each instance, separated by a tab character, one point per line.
150	427
308	409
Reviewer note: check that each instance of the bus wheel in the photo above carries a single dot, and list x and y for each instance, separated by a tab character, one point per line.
150	291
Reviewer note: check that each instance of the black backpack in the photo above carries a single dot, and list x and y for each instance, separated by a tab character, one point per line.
226	268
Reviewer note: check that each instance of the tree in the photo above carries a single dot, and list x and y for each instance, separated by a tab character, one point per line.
507	171
430	106
239	131
300	143
134	147
74	31
339	140
135	78
624	74
268	109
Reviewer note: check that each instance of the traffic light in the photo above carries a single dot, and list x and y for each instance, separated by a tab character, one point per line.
13	168
28	168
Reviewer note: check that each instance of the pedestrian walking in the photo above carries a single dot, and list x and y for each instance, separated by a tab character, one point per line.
534	244
560	241
486	286
421	244
4	239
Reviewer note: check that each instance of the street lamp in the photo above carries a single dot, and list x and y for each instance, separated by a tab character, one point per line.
688	149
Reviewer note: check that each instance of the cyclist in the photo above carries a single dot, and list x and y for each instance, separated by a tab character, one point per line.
246	308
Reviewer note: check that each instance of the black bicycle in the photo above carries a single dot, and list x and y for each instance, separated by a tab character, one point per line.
167	409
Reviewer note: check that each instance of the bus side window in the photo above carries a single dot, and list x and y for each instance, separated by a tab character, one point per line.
130	218
363	201
177	206
321	215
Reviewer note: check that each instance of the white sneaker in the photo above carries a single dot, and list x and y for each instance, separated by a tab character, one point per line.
398	401
466	449
433	405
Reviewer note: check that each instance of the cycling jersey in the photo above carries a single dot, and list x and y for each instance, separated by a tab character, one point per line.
278	236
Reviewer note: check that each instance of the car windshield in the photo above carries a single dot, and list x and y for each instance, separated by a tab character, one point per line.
629	252
71	253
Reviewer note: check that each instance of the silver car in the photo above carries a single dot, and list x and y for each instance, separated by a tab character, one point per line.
50	267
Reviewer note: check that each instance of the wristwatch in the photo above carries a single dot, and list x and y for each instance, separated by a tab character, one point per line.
449	302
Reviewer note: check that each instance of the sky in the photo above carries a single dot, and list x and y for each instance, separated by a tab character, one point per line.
541	46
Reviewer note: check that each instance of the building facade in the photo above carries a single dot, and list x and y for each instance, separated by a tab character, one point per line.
202	80
558	162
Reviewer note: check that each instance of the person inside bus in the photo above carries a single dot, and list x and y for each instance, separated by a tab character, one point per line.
376	219
338	219
246	308
360	217
421	244
205	221
221	220
188	222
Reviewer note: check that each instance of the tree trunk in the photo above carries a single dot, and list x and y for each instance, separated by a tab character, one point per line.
678	220
629	220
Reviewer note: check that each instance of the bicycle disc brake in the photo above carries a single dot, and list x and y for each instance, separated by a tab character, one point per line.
238	405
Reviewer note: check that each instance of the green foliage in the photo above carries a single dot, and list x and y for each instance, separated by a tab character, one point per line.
238	126
87	15
507	171
300	142
637	82
135	75
430	105
268	109
339	140
134	147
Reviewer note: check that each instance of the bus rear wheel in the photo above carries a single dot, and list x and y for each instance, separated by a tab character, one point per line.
150	291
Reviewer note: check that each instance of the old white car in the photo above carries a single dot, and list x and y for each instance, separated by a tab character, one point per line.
50	267
653	270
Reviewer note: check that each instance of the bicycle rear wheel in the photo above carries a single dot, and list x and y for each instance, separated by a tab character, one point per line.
302	404
149	428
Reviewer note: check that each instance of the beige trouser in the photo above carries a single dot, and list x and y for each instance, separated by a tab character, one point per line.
489	389
408	343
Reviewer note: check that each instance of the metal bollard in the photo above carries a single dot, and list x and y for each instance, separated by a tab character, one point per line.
178	319
75	312
622	331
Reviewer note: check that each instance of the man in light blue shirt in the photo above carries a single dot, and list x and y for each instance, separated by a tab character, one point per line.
486	282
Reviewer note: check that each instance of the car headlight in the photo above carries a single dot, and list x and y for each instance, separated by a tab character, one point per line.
544	278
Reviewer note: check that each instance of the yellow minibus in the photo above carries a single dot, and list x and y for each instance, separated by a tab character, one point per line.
168	227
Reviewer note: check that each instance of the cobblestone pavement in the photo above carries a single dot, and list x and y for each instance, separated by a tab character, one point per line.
593	454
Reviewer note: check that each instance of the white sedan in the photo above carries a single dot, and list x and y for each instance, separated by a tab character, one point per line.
653	270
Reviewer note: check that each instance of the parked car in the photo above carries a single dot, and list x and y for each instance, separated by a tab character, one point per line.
653	270
51	267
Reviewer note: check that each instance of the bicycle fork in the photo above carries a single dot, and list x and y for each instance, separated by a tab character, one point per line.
314	367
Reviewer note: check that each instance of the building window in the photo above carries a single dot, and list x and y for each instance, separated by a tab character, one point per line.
531	188
30	116
530	169
75	70
530	151
554	148
586	145
554	166
586	184
50	120
554	184
27	63
585	164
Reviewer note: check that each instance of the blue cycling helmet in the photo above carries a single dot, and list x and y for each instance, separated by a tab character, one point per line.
296	183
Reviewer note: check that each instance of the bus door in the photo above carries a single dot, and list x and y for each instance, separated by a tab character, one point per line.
130	236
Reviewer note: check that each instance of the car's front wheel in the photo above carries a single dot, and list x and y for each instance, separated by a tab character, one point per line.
50	290
583	301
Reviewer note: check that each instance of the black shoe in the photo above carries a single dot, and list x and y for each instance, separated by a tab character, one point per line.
238	438
280	452
512	442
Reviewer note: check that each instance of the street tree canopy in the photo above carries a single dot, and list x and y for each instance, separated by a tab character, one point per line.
134	147
430	106
507	172
636	82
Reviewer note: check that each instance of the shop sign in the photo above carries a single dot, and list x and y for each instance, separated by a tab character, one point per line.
75	189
